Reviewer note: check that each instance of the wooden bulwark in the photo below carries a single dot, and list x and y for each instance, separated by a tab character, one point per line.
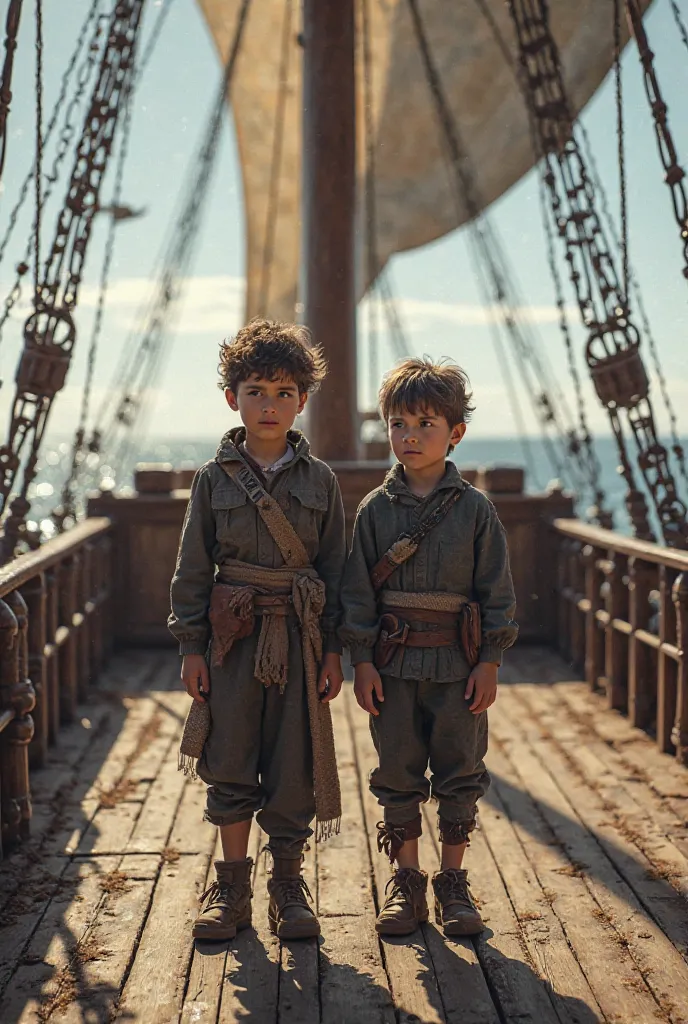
580	866
623	621
54	640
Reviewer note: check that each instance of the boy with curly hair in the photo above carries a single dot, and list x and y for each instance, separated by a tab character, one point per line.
428	610
255	608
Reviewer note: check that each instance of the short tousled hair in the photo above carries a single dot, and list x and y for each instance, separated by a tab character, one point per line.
421	385
272	350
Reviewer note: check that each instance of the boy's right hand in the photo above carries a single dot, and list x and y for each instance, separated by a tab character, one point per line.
367	683
195	676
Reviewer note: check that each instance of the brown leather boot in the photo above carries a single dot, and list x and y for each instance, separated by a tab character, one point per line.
406	905
227	902
454	906
289	914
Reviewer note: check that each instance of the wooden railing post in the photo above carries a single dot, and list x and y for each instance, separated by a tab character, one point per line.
67	654
616	645
680	731
17	700
641	678
52	667
35	593
667	668
594	637
577	628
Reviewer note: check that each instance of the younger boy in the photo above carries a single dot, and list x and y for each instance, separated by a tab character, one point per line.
435	617
257	579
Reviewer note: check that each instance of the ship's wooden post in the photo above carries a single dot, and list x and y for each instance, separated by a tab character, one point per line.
680	731
329	208
16	701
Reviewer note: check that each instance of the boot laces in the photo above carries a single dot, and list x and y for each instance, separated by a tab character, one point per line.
221	894
400	888
293	892
454	887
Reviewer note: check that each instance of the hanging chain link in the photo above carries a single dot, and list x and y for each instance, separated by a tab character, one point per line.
676	446
50	331
613	347
621	144
674	174
11	30
66	137
560	440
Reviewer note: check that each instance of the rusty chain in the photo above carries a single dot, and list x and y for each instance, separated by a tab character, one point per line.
66	136
38	162
548	400
674	174
50	331
621	144
11	30
613	347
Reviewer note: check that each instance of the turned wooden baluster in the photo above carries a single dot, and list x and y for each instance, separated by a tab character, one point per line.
667	669
17	695
594	637
680	731
562	603
107	598
616	644
641	671
577	621
67	655
52	654
35	595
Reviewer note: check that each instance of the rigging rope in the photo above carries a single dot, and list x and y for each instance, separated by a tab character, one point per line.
50	331
680	23
123	407
11	30
618	88
372	257
39	150
390	306
57	110
66	136
674	175
276	161
613	349
490	255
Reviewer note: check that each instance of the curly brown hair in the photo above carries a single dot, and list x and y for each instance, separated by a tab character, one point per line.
422	385
272	350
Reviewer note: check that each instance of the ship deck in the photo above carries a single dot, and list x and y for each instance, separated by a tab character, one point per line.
580	867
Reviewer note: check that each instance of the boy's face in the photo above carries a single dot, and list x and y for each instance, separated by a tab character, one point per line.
422	439
267	408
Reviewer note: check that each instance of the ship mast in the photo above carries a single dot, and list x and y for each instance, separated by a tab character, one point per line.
329	209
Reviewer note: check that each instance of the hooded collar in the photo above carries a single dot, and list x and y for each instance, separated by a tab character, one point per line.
228	449
396	487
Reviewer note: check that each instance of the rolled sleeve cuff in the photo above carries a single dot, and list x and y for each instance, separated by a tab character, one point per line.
332	644
492	653
360	653
192	647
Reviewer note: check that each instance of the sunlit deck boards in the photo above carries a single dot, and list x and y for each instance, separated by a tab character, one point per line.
581	867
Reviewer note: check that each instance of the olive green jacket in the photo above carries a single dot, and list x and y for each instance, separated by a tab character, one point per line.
221	523
465	554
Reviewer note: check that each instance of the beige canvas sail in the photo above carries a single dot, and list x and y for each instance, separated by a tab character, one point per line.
415	204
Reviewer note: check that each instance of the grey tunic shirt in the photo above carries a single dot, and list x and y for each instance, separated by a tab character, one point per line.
221	523
465	554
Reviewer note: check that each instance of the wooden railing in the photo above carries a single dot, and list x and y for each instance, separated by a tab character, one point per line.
623	622
54	638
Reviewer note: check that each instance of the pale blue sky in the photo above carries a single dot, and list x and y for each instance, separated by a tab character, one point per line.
440	301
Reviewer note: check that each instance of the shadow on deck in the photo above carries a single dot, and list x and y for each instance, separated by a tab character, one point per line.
580	866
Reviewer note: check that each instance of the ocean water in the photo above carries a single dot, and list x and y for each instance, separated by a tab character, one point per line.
473	452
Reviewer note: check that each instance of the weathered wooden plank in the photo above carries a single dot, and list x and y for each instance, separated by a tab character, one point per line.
250	989
637	822
155	987
190	833
462	984
409	964
154	824
638	949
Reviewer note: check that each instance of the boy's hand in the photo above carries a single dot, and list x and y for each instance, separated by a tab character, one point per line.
366	683
482	686
195	676
331	677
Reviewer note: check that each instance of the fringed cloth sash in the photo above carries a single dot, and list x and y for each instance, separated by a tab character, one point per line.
244	591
